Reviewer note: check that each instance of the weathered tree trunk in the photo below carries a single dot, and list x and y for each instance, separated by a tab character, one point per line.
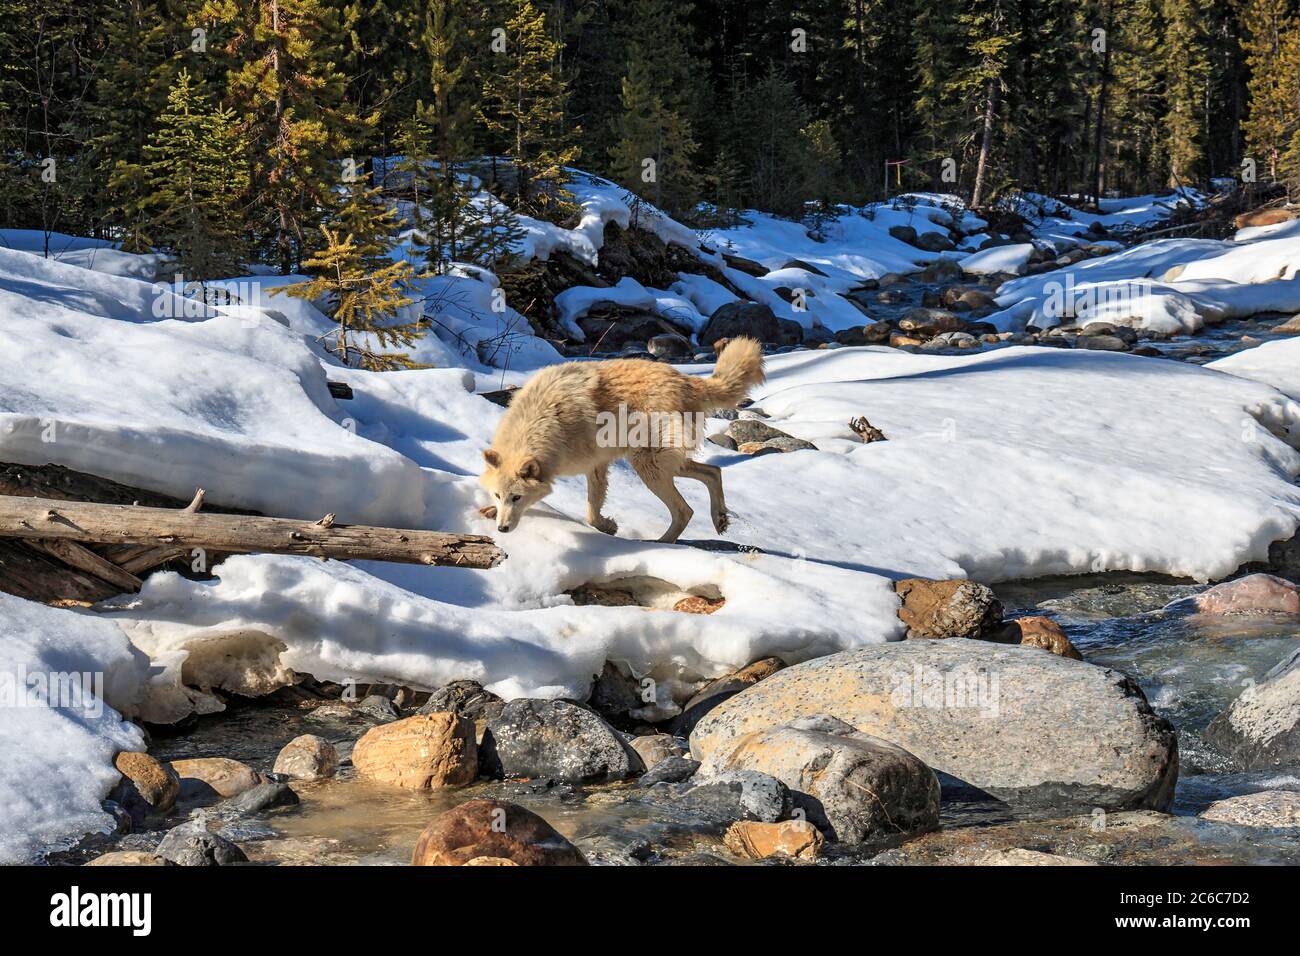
1098	165
56	523
986	142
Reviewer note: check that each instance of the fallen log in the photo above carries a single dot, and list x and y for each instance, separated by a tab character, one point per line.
47	520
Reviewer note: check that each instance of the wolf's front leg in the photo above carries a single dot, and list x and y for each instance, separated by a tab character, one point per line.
597	486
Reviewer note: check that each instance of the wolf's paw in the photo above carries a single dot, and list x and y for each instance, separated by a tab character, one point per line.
488	511
607	525
721	522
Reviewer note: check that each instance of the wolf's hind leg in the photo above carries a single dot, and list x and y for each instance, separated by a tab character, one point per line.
597	486
711	477
657	470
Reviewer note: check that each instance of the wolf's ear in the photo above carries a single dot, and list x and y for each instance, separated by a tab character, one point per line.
531	470
491	457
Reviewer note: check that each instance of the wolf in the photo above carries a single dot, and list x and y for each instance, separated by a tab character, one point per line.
579	417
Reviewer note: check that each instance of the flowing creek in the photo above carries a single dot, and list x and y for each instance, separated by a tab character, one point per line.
1190	668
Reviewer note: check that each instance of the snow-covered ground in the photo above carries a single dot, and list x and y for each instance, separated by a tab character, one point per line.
1011	463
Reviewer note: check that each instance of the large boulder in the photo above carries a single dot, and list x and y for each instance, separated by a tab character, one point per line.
797	839
555	740
307	757
1268	808
423	752
479	831
1029	728
1253	594
210	778
146	783
724	688
952	608
1261	728
927	322
855	787
752	319
465	698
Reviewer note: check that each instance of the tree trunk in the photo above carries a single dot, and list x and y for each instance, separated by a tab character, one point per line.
986	142
55	523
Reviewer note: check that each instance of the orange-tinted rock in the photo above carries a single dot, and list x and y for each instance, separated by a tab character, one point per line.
419	753
505	833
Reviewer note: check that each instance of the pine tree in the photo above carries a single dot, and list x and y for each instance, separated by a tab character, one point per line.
822	176
523	106
766	121
282	79
1273	84
1186	68
196	182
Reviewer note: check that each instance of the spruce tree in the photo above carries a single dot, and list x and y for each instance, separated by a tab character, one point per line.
523	106
196	180
1186	69
1270	34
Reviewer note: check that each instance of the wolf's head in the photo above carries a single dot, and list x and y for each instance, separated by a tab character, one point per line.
516	486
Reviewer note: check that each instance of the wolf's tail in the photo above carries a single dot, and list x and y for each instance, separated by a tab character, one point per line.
739	368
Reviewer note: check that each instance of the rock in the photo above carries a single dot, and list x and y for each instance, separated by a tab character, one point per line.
746	430
757	448
614	693
953	608
851	336
890	297
1266	216
654	749
723	440
378	707
1122	332
670	347
1022	857
333	710
805	266
265	796
877	333
940	270
892	278
1066	733
903	234
1101	343
423	752
496	830
670	770
898	341
307	757
738	795
1268	808
1253	594
751	319
146	780
465	698
748	266
1261	728
933	242
210	778
490	861
695	604
723	688
928	322
856	787
789	332
817	335
129	858
786	443
557	740
1040	632
1290	327
192	844
752	840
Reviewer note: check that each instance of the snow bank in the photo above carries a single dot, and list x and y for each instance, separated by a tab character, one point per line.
1273	363
1011	258
62	673
97	255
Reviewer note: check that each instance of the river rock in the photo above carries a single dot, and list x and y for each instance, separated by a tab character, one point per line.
670	347
654	749
953	608
555	740
853	786
265	796
146	780
1253	594
745	430
1290	327
210	778
1017	856
496	830
716	691
1268	808
933	242
1029	728
1040	632
670	770
1101	343
1261	728
192	844
379	707
307	757
737	795
752	319
903	234
129	858
929	322
797	839
419	753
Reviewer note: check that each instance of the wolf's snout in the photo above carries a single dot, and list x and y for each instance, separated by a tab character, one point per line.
503	528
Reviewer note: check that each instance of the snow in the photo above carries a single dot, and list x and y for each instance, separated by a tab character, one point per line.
1011	258
1274	363
58	746
97	255
1012	463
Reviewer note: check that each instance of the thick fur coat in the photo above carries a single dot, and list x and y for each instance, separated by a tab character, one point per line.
579	417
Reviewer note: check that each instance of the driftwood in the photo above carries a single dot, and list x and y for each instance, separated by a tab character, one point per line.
46	520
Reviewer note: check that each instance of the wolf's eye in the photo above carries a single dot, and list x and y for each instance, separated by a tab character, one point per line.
498	495
515	497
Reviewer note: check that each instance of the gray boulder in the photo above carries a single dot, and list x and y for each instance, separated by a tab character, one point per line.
554	740
192	844
1261	728
464	698
1026	727
752	319
855	787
